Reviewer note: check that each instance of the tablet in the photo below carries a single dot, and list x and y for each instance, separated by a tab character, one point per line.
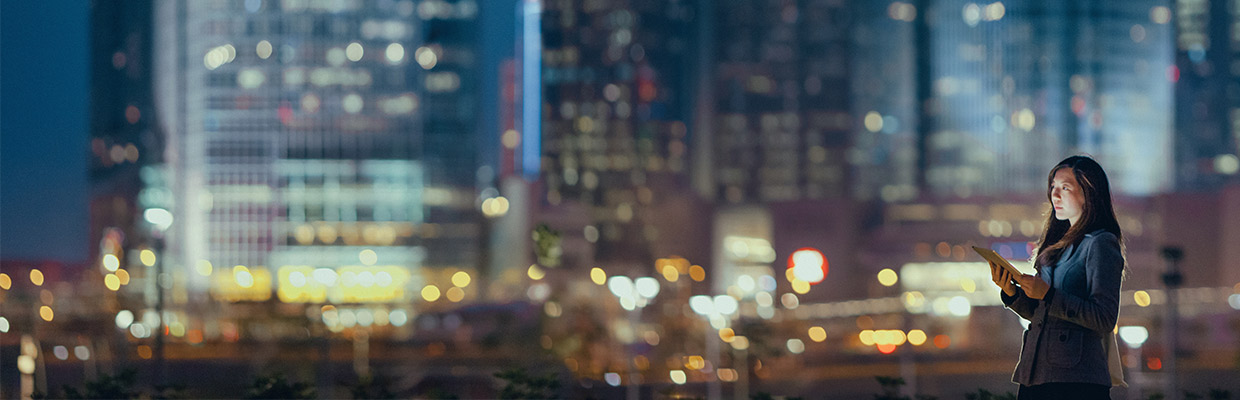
992	256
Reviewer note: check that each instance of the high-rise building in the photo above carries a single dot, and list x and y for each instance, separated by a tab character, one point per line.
1014	87
1206	73
616	98
778	114
318	147
947	98
450	104
780	108
883	155
122	139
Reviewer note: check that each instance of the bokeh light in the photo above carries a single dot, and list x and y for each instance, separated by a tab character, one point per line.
916	337
817	334
598	276
535	273
430	293
460	279
887	277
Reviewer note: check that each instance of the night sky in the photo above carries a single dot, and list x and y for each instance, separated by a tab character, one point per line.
44	114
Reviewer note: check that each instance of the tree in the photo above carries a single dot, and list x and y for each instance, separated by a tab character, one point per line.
547	246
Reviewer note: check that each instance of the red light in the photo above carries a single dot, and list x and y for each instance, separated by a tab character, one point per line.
646	91
1173	74
886	348
285	113
942	341
132	114
1154	363
808	264
1078	105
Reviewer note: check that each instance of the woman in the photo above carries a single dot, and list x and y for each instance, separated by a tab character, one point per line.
1073	301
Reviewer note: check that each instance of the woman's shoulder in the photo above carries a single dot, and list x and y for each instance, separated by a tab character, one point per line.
1101	234
1100	238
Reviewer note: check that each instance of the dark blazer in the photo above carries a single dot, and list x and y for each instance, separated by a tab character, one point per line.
1064	341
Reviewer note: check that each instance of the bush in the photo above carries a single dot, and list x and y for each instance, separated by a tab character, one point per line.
277	387
523	386
983	394
107	387
372	387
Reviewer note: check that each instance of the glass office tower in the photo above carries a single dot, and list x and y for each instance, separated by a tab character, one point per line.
315	147
616	86
1014	87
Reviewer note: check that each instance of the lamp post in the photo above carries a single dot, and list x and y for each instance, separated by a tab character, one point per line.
634	294
716	310
160	220
1172	279
1134	337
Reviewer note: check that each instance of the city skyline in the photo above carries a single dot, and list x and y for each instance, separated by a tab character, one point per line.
899	182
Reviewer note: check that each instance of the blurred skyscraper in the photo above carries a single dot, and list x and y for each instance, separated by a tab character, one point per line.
884	154
778	114
781	113
319	146
1016	86
1207	88
949	98
451	103
121	137
616	86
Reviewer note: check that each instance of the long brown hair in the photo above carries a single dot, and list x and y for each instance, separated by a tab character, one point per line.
1097	211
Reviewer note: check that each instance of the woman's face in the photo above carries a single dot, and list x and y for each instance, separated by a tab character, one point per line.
1066	196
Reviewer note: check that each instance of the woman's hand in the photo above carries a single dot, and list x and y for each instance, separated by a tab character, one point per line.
1033	286
1003	279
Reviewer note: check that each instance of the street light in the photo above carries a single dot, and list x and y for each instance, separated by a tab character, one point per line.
808	265
717	311
633	294
714	309
1172	279
160	220
1134	337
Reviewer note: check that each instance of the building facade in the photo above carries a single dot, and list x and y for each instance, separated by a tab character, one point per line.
1207	88
316	149
615	101
1015	87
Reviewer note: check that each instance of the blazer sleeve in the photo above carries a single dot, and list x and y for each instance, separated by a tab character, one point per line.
1104	268
1020	304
